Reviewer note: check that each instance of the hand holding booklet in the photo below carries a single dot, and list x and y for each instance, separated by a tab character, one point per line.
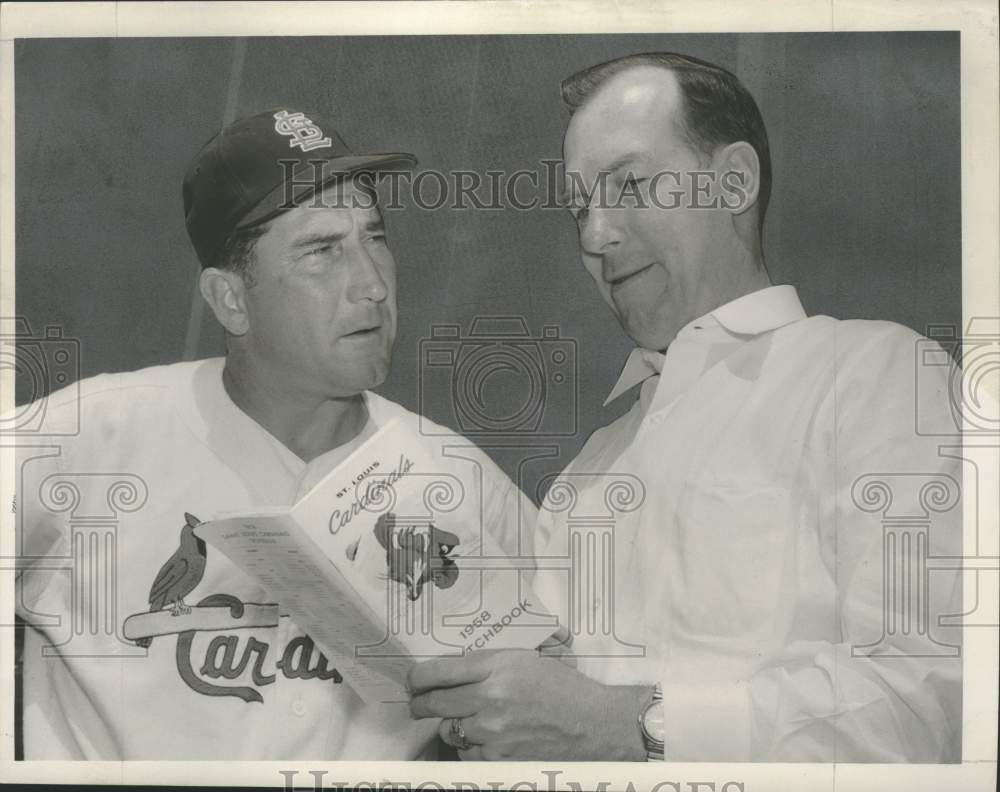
386	561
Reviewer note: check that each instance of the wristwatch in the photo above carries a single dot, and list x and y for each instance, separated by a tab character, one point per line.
651	724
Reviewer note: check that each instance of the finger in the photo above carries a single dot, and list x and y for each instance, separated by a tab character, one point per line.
559	642
457	702
559	646
444	732
474	754
448	737
445	672
474	733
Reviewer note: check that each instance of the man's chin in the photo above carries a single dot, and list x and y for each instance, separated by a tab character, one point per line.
380	377
647	337
377	374
642	328
357	378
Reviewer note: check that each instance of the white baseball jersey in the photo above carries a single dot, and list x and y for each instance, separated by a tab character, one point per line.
213	671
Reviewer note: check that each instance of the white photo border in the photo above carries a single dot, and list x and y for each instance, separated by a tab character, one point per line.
980	110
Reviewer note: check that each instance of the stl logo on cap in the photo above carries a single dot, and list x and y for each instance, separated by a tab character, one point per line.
304	133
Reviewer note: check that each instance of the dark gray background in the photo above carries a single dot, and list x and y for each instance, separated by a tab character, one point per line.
864	218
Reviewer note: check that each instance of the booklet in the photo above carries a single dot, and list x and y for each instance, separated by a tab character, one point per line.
386	561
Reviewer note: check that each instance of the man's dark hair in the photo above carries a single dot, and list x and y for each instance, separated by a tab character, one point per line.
718	110
237	254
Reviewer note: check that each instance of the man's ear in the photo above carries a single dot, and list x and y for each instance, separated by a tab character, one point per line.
739	176
225	293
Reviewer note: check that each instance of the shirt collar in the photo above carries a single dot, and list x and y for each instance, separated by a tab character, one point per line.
752	314
759	311
640	365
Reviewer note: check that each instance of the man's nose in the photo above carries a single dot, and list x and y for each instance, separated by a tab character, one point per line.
600	233
367	282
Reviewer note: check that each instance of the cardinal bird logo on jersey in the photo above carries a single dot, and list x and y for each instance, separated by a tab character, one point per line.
409	551
225	645
180	575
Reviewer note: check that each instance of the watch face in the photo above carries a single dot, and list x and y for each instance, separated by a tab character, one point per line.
653	722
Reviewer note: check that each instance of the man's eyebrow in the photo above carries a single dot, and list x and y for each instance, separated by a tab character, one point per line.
320	237
632	158
371	213
306	240
376	222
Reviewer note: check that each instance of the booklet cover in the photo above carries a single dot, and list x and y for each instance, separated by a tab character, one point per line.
386	561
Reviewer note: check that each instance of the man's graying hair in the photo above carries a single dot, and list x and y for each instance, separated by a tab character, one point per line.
237	254
718	110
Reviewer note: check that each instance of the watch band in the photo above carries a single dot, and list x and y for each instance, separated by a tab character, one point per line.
651	724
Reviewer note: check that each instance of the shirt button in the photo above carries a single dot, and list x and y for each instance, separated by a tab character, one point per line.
299	707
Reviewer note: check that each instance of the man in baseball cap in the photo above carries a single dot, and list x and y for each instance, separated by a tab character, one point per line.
296	267
182	655
262	165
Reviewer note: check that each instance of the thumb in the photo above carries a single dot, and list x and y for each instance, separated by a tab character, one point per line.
558	645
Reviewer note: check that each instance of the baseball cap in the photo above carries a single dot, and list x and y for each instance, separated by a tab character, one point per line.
262	165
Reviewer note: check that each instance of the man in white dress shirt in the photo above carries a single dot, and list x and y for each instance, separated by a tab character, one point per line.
764	587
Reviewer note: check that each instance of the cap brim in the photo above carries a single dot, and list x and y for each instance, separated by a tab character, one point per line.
278	199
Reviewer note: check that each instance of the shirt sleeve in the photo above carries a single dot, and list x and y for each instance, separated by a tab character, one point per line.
888	689
56	719
41	535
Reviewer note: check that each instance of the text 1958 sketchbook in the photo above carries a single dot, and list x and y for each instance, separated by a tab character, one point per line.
377	565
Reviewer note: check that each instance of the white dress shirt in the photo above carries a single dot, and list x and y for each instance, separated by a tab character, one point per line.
743	574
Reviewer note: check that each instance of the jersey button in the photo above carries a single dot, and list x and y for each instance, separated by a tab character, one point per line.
299	707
